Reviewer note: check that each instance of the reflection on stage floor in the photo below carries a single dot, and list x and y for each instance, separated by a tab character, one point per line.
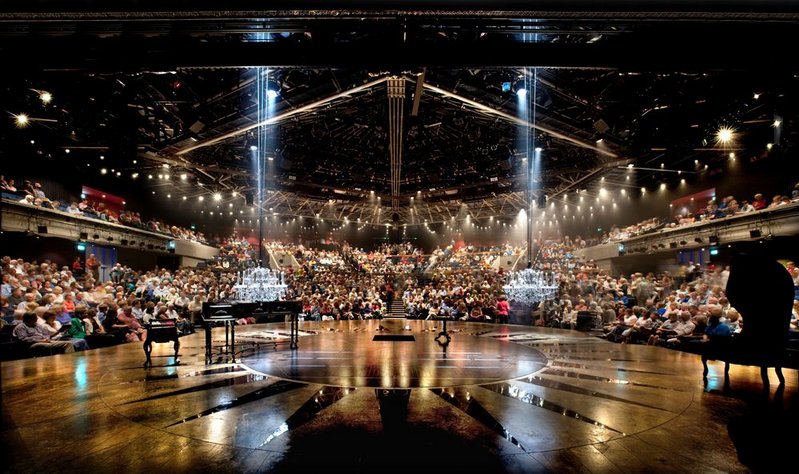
496	398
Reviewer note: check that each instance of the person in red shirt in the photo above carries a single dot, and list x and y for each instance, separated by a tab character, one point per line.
77	266
759	202
503	309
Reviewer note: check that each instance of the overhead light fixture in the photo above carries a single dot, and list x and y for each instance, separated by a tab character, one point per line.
725	135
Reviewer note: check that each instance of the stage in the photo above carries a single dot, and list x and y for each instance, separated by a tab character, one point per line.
387	396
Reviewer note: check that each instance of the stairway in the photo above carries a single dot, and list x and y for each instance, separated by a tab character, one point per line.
397	309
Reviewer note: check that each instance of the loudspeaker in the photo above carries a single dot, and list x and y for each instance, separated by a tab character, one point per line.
601	126
248	199
84	235
197	127
754	233
150	246
672	245
124	241
542	200
714	239
42	229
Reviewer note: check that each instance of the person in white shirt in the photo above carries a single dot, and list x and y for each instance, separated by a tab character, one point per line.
30	331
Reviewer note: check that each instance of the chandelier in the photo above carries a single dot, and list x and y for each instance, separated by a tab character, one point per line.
530	286
260	284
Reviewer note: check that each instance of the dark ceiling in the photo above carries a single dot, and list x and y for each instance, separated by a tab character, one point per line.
646	89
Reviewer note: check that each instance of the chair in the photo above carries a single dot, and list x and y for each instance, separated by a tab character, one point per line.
762	291
161	330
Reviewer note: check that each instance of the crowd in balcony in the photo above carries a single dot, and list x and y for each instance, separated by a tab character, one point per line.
31	193
714	210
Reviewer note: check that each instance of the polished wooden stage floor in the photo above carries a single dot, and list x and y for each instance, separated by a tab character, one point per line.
496	399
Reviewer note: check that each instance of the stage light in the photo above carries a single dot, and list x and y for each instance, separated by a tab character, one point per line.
183	177
253	148
46	97
119	173
201	198
600	140
724	135
538	149
756	96
769	146
22	120
102	157
103	171
777	123
217	196
506	86
521	93
134	175
184	198
66	150
149	176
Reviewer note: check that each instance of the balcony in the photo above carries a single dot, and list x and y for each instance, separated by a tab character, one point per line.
34	220
752	226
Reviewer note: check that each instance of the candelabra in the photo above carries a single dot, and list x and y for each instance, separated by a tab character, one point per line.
530	286
260	284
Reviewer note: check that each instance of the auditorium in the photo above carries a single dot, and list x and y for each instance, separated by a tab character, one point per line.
507	236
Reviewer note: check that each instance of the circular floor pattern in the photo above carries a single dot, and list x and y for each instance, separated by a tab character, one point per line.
397	354
499	390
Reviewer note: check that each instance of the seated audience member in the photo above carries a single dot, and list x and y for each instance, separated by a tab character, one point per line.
8	186
39	338
76	333
51	325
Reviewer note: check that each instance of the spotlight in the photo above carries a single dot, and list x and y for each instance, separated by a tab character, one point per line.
217	196
521	93
103	171
253	148
183	177
46	97
22	120
769	146
538	149
777	123
271	93
724	135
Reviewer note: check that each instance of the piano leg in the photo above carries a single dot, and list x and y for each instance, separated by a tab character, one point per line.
726	374
704	365
778	370
177	346
764	375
